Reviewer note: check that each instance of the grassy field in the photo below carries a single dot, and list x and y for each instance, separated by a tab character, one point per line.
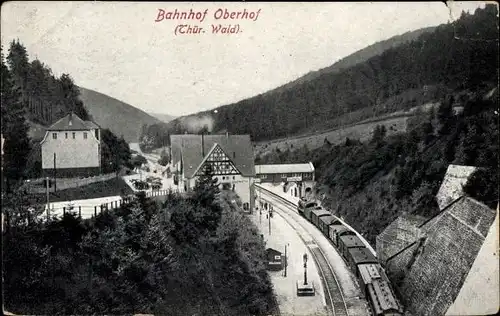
362	131
394	122
115	186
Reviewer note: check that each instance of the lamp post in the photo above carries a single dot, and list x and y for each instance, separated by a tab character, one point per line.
269	216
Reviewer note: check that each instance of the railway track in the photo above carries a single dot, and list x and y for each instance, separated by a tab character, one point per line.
333	294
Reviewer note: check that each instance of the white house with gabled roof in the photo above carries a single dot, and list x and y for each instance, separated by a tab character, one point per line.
72	147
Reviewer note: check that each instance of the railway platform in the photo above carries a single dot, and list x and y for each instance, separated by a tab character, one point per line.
282	235
343	295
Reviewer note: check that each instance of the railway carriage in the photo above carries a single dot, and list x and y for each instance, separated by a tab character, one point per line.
305	206
325	222
382	298
357	256
377	289
316	214
337	231
308	212
376	286
347	242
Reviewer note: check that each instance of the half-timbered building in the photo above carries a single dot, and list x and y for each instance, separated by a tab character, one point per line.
229	156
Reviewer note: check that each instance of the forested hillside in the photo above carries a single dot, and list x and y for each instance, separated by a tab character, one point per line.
370	184
33	98
456	55
356	58
119	117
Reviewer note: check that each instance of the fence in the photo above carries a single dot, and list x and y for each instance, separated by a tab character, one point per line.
154	193
92	208
37	186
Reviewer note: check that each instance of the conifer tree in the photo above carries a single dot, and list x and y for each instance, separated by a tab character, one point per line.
14	129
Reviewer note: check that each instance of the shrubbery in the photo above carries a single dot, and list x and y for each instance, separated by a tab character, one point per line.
142	258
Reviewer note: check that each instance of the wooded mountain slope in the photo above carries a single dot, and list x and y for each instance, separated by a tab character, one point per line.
121	118
452	56
356	58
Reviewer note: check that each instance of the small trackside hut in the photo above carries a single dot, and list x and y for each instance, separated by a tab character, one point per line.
297	179
274	260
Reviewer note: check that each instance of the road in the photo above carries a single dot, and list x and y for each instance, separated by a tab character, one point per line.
342	291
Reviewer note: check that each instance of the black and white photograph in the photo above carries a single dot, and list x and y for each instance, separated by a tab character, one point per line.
250	158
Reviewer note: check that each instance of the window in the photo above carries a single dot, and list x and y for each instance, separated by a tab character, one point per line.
277	257
74	135
97	134
66	135
54	135
283	175
84	135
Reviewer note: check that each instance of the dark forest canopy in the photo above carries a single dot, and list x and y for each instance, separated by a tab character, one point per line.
370	184
45	96
455	56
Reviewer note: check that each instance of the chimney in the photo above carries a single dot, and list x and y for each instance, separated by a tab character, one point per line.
202	145
227	135
70	118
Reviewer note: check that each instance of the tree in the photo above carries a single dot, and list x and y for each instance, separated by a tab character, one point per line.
18	63
70	94
444	115
483	186
14	129
379	134
164	158
205	193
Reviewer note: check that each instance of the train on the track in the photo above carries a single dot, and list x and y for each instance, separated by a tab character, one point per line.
360	260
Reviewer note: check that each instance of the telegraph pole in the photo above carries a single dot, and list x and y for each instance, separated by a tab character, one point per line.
55	175
48	203
286	261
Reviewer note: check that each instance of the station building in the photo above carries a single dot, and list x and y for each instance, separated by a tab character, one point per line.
295	178
230	156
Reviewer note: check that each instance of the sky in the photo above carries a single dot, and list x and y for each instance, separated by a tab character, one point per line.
120	49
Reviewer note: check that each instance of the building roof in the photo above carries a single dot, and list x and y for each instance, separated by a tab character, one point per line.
284	168
193	150
446	257
71	122
273	251
451	187
400	233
